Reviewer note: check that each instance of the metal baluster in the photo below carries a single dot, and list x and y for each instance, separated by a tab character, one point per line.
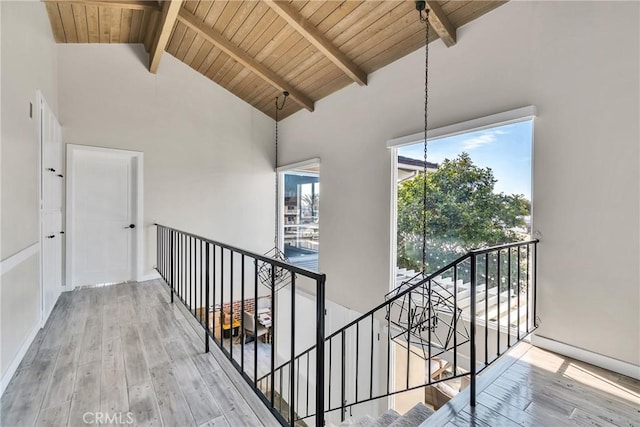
486	309
273	326
176	262
206	307
509	298
371	363
527	288
231	307
242	314
342	379
255	320
293	348
518	293
172	262
409	318
213	295
202	277
388	351
535	284
192	260
320	313
455	321
499	280
192	255
158	267
163	252
473	330
357	357
428	332
167	254
221	297
184	269
330	369
189	271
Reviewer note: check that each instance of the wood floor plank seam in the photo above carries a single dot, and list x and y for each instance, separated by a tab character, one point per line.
47	388
193	328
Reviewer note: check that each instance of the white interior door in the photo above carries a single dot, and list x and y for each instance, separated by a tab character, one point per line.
102	212
51	208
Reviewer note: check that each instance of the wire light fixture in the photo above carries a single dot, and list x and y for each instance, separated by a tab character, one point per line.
268	274
426	318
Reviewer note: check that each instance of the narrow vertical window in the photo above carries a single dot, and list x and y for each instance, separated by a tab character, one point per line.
300	215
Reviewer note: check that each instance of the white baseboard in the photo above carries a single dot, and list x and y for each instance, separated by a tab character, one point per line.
6	378
154	275
606	362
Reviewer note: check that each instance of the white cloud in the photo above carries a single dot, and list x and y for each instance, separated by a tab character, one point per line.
482	139
478	141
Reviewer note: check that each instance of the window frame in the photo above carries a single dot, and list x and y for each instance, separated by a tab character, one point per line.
281	171
481	123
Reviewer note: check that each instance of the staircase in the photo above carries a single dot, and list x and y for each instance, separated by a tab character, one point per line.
467	314
413	418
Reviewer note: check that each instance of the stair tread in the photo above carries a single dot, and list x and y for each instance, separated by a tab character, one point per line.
365	421
386	419
414	417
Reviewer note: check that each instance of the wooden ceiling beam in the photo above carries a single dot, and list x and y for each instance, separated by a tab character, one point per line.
317	39
170	10
439	21
217	39
132	5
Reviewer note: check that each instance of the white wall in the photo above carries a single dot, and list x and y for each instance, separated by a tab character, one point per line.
208	165
579	64
28	63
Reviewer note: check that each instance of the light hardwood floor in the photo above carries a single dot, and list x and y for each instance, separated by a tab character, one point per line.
534	387
126	352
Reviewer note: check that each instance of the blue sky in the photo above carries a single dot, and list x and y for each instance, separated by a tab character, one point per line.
505	149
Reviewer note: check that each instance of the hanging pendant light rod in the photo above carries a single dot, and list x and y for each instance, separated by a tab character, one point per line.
421	7
269	275
285	94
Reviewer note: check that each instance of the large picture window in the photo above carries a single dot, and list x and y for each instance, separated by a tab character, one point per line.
478	193
300	215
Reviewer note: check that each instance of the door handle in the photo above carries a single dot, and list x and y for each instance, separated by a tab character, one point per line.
131	226
51	236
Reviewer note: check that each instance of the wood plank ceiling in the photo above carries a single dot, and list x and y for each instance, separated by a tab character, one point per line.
257	49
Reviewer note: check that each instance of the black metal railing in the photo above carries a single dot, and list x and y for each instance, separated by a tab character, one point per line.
222	287
483	303
500	274
453	323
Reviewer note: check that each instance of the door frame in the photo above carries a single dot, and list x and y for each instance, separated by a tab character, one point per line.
137	159
38	109
41	103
